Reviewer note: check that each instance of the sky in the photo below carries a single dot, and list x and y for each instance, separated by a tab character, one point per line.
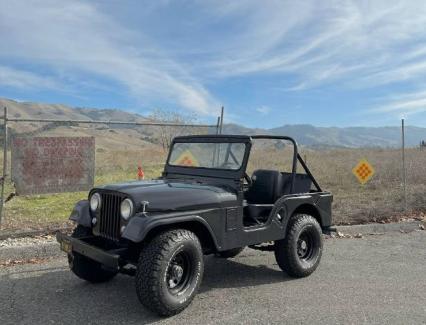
269	63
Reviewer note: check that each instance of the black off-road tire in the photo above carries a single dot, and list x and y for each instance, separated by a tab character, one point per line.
158	270
84	267
290	256
230	253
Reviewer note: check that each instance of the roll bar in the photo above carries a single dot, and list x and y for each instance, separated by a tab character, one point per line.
296	157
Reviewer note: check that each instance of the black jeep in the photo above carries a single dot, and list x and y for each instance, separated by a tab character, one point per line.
204	203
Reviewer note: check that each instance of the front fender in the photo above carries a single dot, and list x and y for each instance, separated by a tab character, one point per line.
140	225
81	214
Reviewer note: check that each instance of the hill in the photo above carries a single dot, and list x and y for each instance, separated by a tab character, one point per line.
126	138
335	137
134	137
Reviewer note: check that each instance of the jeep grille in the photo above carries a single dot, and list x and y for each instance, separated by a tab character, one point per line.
109	217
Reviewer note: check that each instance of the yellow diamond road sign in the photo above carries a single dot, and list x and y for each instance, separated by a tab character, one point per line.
186	158
363	171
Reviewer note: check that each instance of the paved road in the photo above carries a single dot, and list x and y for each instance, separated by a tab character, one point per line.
378	279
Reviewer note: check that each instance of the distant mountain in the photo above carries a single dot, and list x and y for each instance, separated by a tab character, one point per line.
351	137
307	135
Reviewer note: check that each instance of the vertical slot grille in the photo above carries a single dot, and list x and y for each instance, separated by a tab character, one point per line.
109	223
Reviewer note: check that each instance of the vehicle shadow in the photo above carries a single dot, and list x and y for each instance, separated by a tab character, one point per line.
230	273
54	295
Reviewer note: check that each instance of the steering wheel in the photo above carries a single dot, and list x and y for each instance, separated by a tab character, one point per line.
248	179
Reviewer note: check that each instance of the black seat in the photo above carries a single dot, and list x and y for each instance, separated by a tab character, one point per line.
264	191
266	188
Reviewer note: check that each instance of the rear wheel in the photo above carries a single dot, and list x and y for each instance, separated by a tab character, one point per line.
169	272
299	253
230	253
84	267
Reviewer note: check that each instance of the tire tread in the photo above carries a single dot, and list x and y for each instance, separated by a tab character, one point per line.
149	269
284	248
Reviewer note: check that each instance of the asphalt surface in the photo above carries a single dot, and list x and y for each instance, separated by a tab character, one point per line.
373	280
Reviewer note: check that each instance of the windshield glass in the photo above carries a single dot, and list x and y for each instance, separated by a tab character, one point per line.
208	155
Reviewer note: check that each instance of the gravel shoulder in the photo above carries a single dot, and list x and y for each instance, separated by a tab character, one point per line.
375	280
27	241
20	250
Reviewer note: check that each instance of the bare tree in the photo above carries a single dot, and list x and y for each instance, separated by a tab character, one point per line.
168	132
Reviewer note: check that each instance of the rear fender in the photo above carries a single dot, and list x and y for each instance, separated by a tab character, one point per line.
317	206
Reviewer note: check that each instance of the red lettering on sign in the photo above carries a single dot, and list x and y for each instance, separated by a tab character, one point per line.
53	164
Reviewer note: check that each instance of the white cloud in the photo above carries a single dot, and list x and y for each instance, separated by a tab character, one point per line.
75	37
404	105
264	110
10	77
368	42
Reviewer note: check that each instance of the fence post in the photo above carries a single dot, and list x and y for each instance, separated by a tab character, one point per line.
3	181
218	125
221	120
404	172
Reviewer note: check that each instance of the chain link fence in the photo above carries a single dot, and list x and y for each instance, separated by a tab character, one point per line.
123	147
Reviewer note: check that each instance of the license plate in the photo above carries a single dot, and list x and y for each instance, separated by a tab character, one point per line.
66	247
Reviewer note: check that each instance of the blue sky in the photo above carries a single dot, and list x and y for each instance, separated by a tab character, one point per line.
326	63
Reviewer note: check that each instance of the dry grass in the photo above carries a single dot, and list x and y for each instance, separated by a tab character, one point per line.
381	199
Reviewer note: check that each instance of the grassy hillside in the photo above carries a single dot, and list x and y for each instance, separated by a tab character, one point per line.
57	111
108	137
306	135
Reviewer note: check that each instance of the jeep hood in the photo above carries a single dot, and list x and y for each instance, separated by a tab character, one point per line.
164	195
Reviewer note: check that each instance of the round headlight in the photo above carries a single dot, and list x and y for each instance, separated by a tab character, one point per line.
126	209
95	202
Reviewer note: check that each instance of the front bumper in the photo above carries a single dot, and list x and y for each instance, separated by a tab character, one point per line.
71	245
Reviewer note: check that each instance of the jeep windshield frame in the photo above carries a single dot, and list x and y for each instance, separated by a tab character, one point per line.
203	171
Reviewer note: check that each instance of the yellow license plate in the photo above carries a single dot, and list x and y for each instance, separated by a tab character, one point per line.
66	247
